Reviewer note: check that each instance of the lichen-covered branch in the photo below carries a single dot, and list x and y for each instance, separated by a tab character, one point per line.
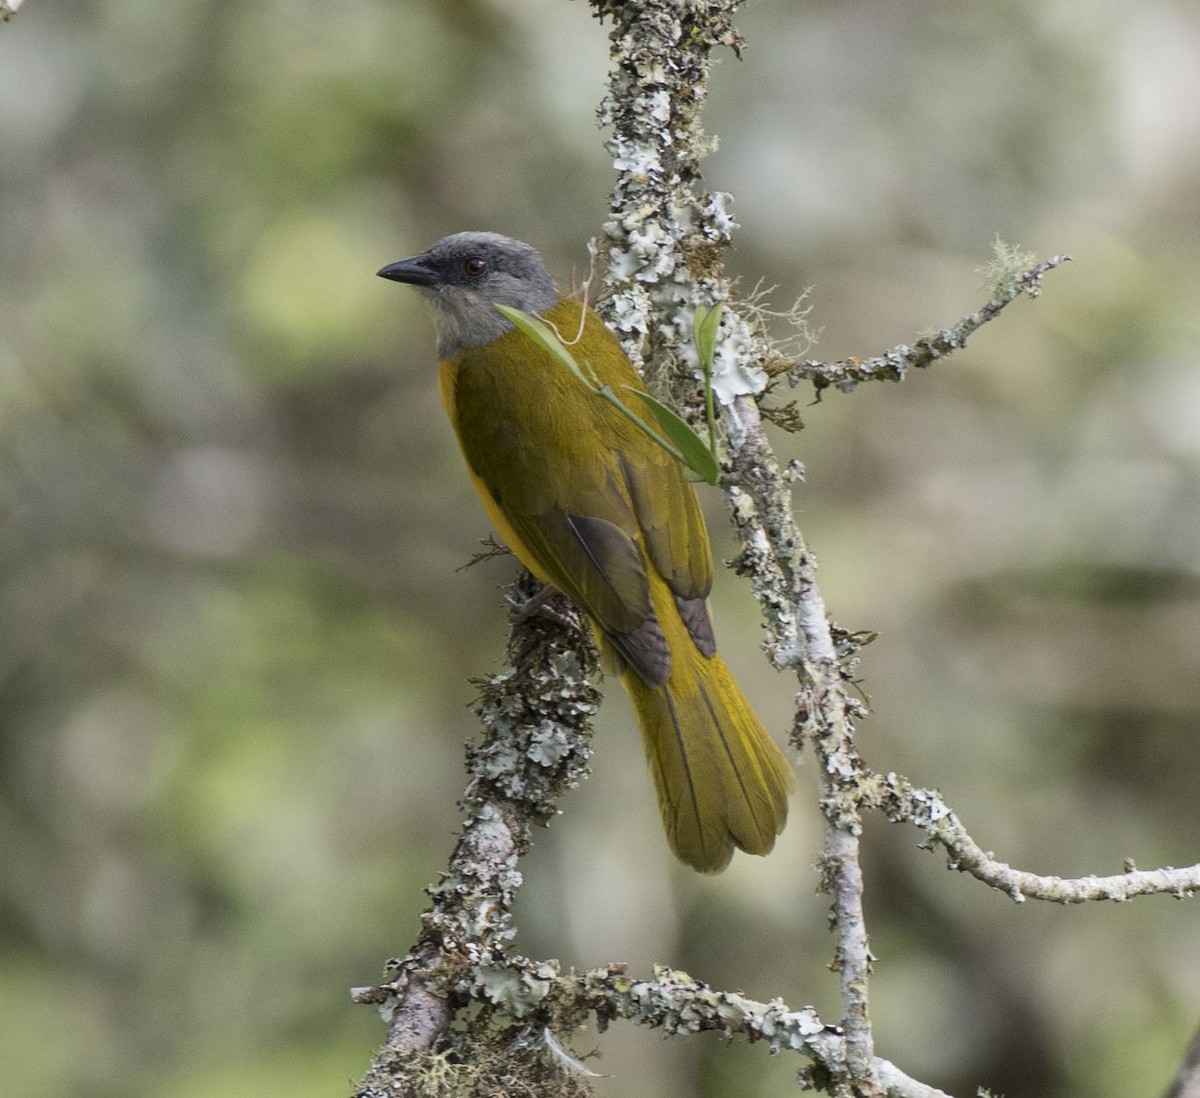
536	716
894	365
664	238
550	1001
665	232
675	1003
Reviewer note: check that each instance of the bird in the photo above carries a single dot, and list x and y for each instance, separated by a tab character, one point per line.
594	508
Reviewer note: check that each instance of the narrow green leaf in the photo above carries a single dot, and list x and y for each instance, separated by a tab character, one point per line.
605	392
543	335
705	323
694	454
680	442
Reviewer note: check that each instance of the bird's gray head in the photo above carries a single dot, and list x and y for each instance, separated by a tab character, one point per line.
465	275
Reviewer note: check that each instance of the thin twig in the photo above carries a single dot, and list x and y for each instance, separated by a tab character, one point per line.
900	801
893	365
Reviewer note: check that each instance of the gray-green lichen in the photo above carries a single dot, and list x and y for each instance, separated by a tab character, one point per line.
675	1003
536	743
665	230
484	1058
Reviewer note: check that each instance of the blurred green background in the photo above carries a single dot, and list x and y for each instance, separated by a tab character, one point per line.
235	644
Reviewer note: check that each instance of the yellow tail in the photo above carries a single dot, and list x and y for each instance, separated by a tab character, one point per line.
722	782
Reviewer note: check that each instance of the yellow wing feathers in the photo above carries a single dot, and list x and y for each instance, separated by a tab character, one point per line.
721	781
593	507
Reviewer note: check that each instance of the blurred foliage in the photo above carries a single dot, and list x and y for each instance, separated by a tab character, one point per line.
236	650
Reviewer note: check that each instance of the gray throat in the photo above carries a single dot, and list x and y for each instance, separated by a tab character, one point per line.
465	318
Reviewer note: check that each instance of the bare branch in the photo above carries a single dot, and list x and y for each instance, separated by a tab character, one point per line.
901	801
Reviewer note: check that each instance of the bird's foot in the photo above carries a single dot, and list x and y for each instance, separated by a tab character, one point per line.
539	605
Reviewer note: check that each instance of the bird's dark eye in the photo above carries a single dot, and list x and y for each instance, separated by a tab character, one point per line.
475	266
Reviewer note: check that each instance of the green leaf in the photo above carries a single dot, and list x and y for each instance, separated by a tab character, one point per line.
605	393
544	336
694	454
681	442
705	323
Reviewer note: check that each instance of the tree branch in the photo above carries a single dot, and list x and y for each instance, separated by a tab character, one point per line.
664	238
536	716
900	801
676	1003
893	365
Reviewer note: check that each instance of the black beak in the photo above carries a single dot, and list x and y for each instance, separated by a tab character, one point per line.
413	271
